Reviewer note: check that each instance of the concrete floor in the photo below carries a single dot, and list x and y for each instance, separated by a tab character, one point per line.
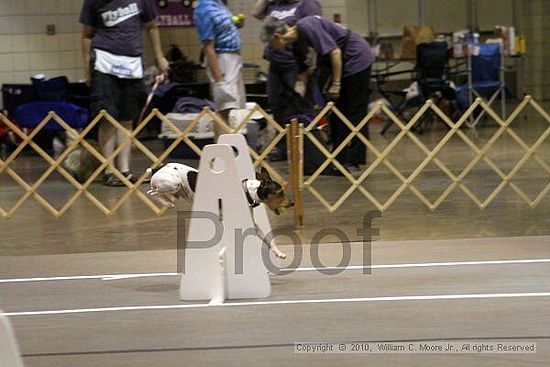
506	301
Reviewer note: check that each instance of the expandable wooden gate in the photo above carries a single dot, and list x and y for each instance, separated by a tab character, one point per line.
295	135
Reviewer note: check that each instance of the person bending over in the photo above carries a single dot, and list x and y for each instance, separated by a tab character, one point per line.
348	58
283	69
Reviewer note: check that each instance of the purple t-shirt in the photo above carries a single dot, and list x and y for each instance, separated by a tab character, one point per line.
289	14
118	24
324	36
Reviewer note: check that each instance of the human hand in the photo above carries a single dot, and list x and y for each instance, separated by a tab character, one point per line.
334	90
163	64
300	88
222	93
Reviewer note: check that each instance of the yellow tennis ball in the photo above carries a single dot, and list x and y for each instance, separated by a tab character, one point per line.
281	210
235	19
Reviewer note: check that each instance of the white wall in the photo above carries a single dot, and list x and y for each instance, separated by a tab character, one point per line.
331	7
26	49
536	25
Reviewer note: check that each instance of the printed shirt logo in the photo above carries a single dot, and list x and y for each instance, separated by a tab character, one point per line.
282	14
114	17
121	70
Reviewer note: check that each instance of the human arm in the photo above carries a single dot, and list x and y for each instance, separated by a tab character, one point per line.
85	48
336	66
221	92
259	9
301	83
154	36
307	64
86	35
212	60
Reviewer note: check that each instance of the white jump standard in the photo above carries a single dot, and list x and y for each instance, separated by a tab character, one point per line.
223	255
9	350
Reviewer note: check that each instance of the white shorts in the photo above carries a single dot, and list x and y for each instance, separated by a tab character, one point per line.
230	94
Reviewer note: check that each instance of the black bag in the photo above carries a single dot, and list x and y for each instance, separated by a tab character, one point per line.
183	71
293	105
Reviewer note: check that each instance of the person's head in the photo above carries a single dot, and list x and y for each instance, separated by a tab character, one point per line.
277	33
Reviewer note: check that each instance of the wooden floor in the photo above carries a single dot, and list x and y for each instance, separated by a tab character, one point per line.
457	274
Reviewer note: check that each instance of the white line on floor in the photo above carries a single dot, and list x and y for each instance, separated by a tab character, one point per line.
86	277
421	265
108	277
287	302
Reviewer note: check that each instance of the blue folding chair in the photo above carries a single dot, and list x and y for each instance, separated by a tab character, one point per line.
485	80
31	114
51	95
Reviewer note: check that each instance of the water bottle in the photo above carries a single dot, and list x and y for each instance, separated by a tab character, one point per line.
475	44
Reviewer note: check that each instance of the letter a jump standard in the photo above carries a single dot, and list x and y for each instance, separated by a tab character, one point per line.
216	267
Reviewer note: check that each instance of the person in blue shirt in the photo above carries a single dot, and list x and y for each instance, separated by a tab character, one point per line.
221	44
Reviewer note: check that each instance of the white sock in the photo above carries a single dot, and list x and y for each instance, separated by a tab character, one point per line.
124	155
108	149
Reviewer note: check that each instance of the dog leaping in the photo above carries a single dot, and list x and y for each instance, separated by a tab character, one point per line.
175	181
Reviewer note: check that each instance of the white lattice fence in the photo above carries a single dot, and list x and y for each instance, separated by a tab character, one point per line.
79	139
407	181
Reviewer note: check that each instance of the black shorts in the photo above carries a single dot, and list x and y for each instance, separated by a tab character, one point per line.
122	98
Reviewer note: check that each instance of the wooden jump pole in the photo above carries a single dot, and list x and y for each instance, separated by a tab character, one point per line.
295	169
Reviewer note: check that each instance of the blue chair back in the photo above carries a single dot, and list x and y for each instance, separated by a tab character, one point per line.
51	90
486	65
